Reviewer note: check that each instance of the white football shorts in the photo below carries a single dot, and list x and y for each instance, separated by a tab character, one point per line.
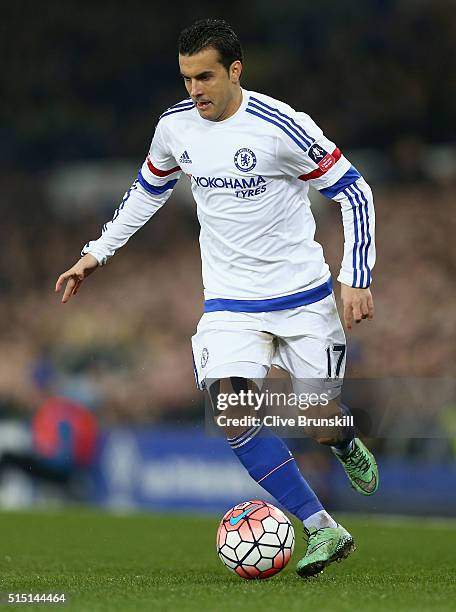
308	342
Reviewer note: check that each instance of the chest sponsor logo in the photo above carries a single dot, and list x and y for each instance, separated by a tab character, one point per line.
245	160
243	187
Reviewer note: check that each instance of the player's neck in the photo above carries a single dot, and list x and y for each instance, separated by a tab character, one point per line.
233	106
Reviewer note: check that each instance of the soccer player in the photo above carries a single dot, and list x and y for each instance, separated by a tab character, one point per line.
250	160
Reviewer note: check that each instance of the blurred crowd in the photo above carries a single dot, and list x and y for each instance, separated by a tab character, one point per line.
80	80
122	345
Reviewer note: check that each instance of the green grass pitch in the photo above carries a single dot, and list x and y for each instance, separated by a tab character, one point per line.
168	563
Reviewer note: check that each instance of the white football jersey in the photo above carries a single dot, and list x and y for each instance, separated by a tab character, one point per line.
250	177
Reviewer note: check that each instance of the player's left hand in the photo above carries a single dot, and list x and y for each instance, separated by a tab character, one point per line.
358	304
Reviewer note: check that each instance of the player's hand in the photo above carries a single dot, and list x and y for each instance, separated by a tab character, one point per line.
358	304
75	275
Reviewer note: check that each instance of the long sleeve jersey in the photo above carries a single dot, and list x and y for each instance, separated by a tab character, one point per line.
250	176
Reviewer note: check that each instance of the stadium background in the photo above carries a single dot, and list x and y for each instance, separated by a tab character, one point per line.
82	87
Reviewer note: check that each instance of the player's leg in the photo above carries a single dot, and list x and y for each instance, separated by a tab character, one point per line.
308	337
358	462
231	347
267	458
316	363
271	464
356	459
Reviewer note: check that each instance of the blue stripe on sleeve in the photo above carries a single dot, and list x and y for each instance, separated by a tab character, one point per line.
153	189
356	188
290	127
116	213
252	112
356	202
288	121
177	110
345	181
307	139
362	242
181	104
355	244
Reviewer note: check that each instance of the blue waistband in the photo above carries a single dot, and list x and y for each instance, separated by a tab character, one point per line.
280	303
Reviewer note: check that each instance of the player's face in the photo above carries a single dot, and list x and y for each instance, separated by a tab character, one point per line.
215	91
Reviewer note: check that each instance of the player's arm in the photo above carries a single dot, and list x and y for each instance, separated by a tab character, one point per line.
319	162
152	187
354	195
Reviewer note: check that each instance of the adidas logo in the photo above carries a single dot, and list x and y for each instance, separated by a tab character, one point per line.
185	158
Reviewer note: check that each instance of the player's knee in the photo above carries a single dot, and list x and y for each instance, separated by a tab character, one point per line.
238	389
231	405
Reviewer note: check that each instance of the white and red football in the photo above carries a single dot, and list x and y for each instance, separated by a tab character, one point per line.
255	539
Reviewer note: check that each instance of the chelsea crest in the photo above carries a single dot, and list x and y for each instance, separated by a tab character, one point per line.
245	160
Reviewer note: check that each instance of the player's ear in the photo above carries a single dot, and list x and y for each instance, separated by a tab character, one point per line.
235	72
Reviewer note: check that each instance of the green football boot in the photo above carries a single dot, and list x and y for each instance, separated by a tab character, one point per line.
361	468
324	546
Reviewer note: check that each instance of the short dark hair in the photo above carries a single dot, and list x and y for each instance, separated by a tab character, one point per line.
211	33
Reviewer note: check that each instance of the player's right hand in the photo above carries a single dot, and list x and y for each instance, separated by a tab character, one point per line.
75	275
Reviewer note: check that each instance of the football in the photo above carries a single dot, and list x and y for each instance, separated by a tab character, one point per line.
255	540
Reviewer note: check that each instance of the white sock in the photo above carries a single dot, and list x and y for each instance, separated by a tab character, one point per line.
319	519
343	452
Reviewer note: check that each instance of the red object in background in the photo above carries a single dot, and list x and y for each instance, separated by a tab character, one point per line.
57	413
